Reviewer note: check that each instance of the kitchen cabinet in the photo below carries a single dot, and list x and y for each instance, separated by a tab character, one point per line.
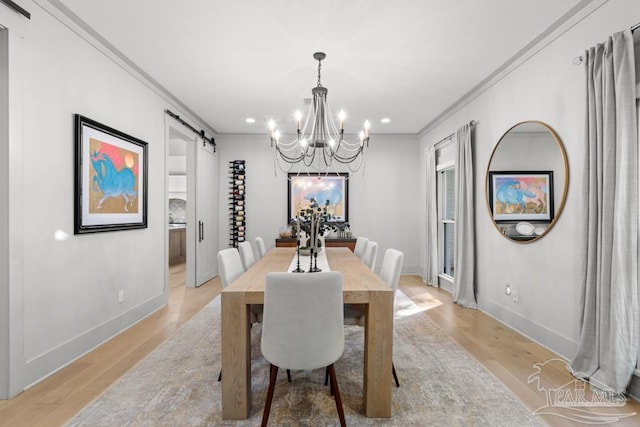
177	245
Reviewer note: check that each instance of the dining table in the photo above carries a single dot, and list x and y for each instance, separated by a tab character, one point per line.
360	286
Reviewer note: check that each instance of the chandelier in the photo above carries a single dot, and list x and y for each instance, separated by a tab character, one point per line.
319	145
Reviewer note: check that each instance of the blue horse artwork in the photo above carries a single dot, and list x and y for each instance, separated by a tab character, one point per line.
512	196
114	177
524	195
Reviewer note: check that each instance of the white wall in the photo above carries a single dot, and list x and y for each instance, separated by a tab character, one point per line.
550	88
383	205
64	292
4	212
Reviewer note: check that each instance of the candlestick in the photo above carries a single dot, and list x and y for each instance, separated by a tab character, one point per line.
311	237
298	269
318	233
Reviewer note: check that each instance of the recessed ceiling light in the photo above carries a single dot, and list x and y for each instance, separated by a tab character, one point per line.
250	120
385	120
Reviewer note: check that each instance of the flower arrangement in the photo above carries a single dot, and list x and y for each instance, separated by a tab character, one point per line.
315	221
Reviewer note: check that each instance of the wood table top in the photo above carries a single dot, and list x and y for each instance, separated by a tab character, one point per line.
358	280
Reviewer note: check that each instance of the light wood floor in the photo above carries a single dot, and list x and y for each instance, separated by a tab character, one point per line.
505	353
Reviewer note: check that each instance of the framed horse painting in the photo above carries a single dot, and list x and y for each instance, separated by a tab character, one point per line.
110	179
521	195
322	189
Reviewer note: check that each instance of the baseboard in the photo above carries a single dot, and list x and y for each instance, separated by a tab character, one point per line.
46	364
412	270
545	337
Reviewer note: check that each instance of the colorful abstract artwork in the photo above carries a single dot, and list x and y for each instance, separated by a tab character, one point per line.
518	196
330	190
111	179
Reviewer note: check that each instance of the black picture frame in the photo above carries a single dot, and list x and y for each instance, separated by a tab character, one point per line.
301	187
110	175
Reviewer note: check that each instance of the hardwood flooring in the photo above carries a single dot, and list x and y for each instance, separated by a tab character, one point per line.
59	397
508	355
505	353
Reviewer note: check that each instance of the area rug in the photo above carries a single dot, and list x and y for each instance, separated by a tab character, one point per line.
440	384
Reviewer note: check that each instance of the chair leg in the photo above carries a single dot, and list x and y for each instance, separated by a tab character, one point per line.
273	374
289	375
326	380
395	376
336	391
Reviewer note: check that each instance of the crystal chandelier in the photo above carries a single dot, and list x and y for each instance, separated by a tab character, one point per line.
319	146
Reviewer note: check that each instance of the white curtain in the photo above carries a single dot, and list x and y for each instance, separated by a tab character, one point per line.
608	343
465	241
431	260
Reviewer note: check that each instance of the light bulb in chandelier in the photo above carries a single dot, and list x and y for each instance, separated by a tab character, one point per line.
319	145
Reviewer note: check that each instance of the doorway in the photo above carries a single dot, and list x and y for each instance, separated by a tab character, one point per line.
192	194
178	207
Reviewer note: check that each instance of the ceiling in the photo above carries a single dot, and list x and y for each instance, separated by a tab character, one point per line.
407	60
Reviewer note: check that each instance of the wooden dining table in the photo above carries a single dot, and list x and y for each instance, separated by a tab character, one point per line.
360	286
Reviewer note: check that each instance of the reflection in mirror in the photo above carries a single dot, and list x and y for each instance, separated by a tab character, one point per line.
527	181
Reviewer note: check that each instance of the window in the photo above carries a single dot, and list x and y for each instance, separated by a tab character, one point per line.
446	219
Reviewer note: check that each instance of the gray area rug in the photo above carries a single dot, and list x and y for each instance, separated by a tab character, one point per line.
440	384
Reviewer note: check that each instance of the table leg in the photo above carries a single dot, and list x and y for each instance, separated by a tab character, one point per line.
236	357
378	355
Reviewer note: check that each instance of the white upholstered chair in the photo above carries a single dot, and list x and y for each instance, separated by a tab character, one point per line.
371	254
302	327
229	266
361	247
262	250
354	314
246	255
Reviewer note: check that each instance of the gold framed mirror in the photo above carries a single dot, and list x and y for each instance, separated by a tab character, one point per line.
526	182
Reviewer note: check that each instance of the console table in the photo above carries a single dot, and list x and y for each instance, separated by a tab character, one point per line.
330	242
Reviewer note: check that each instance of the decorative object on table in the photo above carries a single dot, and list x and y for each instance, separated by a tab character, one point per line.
285	233
314	221
323	188
110	179
319	144
525	228
521	195
342	230
237	214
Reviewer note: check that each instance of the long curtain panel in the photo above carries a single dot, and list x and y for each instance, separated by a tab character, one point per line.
431	258
608	342
465	242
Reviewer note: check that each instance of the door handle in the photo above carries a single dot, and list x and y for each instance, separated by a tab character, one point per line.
200	231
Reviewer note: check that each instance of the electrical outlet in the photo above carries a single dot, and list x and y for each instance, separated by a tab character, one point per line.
120	297
516	296
507	289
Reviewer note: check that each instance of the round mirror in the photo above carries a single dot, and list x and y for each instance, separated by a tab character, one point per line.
527	181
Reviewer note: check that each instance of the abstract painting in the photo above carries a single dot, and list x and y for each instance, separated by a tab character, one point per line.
110	179
521	195
331	190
